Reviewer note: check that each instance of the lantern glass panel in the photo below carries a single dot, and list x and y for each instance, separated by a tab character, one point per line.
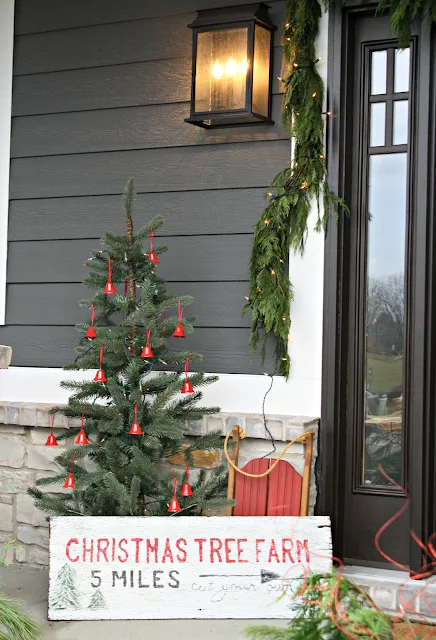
221	70
261	70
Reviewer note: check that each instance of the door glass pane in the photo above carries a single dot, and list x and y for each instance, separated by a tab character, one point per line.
378	124
378	72
401	121
401	72
387	203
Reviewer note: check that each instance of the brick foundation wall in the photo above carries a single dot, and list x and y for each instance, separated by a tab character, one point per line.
24	458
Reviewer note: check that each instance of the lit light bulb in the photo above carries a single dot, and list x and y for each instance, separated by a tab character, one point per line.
243	67
217	70
231	67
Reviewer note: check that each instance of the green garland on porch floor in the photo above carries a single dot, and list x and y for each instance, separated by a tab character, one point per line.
284	222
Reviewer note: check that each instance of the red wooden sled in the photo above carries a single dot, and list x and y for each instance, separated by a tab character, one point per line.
283	492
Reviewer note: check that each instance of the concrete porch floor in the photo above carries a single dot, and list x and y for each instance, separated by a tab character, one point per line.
31	586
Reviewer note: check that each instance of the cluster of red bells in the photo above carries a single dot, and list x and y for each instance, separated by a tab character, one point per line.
185	491
147	351
100	376
80	440
70	483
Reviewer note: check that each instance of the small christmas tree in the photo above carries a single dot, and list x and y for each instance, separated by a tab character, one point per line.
132	412
65	594
97	601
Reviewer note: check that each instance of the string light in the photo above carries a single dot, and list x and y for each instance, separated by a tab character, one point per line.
295	64
314	94
304	185
267	221
273	273
269	193
282	261
259	289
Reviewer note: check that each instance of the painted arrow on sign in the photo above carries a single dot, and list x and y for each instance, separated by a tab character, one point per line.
265	576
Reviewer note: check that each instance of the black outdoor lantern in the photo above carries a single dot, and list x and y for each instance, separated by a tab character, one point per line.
232	66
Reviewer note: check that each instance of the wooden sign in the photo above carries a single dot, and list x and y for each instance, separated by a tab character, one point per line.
108	568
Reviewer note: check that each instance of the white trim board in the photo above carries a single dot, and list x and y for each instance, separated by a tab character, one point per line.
233	393
6	66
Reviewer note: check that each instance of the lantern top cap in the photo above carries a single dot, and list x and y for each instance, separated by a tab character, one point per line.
257	12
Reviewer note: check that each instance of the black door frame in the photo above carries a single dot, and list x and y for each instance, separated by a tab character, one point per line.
420	468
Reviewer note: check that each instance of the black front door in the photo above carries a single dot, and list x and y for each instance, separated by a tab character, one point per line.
373	428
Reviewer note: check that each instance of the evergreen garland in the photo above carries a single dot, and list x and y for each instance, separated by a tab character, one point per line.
284	222
404	13
329	607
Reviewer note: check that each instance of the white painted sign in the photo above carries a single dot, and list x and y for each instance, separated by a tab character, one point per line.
109	568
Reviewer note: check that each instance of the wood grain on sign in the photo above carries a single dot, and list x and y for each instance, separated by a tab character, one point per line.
108	568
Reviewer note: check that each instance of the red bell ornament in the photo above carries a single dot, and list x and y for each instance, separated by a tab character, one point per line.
174	505
51	440
91	334
147	351
109	288
187	386
100	376
70	483
178	331
81	436
186	489
135	429
152	256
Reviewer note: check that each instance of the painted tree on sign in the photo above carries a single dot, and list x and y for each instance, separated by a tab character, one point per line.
65	594
97	601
